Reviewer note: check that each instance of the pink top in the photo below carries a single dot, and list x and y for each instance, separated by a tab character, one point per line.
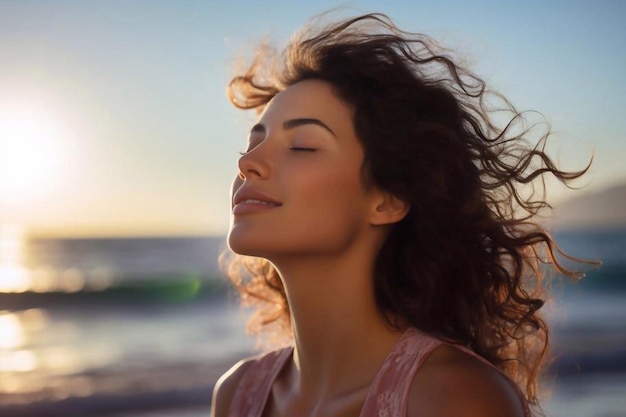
387	396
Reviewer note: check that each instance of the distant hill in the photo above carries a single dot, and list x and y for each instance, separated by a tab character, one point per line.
605	209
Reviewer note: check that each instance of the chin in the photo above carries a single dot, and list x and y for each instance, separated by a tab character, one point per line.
243	244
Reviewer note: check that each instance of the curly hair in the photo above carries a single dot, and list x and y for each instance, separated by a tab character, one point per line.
465	264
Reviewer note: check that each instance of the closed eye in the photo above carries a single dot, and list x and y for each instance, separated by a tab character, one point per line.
298	149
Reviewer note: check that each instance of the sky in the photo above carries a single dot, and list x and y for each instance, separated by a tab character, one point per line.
114	119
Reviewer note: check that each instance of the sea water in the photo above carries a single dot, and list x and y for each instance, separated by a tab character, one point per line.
143	327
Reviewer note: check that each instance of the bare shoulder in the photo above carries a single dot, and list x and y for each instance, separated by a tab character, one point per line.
225	387
454	383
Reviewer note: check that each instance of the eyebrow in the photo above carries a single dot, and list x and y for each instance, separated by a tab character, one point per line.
293	123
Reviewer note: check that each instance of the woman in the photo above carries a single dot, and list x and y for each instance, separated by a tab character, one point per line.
386	233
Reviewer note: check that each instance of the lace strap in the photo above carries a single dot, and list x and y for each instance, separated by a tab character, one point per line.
254	388
389	392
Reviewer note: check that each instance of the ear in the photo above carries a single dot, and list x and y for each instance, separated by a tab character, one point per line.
388	209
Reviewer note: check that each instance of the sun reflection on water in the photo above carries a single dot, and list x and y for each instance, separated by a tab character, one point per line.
29	360
19	351
15	329
14	277
11	333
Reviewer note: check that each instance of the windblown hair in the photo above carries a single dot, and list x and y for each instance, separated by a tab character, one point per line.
465	264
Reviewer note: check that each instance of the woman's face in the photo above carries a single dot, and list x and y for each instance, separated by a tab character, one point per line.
299	191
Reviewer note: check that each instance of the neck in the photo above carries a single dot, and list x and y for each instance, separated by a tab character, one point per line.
341	338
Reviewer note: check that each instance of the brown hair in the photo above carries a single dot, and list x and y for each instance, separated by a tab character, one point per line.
465	263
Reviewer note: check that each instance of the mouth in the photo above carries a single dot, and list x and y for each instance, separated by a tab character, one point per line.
255	201
249	201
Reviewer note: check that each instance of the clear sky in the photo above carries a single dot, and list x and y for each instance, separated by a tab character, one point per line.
114	120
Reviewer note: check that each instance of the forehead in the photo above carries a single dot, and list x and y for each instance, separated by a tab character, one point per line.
311	99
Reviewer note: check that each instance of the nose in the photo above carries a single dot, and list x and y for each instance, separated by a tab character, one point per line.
254	163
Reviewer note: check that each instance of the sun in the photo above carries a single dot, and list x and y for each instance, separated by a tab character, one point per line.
29	150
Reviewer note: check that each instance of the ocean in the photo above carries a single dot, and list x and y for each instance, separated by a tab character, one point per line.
144	327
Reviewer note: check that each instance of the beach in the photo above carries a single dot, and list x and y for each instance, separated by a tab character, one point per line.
154	339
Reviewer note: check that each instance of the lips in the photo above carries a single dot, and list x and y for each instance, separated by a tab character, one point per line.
247	200
253	201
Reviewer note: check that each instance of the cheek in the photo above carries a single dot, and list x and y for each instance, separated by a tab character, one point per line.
331	195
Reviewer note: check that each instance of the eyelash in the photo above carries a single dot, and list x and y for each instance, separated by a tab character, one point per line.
295	149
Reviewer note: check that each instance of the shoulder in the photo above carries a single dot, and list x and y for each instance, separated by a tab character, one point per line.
227	384
454	383
248	374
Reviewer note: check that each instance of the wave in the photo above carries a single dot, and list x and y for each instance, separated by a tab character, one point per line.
165	290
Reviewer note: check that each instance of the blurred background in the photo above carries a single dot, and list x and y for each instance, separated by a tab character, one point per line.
118	145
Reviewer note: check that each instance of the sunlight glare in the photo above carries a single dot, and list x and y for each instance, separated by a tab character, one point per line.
61	359
30	150
14	279
43	280
18	361
11	332
11	243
